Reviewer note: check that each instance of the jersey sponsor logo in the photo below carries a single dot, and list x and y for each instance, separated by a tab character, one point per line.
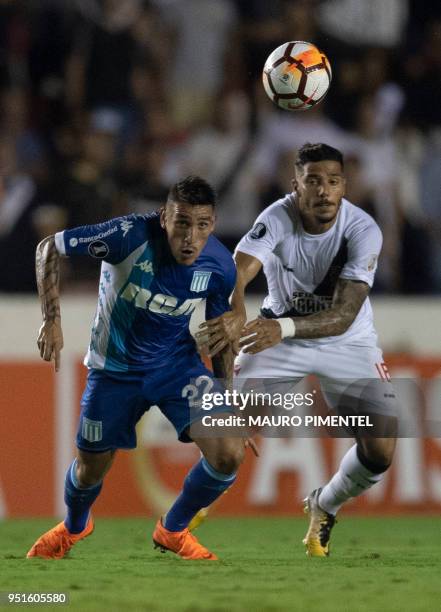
258	231
86	239
73	242
126	226
304	303
92	431
199	282
145	266
98	249
158	303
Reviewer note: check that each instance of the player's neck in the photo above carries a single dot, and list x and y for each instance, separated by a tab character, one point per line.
312	226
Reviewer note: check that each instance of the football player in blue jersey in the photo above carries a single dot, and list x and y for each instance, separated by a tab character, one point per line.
155	269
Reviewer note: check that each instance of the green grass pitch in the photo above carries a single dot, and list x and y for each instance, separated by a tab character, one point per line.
377	564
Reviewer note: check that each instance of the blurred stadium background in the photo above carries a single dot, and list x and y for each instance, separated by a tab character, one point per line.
105	103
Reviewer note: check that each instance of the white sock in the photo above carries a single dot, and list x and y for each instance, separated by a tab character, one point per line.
352	479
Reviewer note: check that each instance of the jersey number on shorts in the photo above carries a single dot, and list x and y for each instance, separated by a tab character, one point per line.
195	393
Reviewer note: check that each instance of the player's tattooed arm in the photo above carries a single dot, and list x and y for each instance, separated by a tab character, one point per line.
219	332
349	297
47	267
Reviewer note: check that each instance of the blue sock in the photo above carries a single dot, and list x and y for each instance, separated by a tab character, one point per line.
202	486
78	500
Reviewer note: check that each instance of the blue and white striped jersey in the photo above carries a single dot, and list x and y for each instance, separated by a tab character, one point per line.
145	298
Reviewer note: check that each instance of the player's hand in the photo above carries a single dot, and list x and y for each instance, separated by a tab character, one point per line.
50	341
219	332
259	335
249	443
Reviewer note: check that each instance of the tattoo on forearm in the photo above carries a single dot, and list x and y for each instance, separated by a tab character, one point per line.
47	266
349	297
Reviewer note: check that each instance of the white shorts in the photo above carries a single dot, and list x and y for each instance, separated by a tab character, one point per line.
345	372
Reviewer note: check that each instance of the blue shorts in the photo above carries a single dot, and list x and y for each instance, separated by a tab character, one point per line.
113	403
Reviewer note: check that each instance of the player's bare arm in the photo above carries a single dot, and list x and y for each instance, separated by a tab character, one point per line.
223	365
349	296
226	329
50	336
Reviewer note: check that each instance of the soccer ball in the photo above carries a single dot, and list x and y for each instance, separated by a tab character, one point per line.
296	75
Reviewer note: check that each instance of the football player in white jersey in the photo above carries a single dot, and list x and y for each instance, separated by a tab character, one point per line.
319	254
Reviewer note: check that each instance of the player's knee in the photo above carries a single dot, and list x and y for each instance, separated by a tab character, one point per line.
377	454
229	457
88	476
91	468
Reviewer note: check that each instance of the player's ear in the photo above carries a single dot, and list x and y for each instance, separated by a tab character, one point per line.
162	217
294	184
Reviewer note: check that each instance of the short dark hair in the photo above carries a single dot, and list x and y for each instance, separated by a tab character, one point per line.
316	153
192	190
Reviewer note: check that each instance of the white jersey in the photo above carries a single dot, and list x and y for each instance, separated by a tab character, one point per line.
302	269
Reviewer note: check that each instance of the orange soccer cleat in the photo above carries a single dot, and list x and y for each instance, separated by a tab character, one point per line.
183	543
56	542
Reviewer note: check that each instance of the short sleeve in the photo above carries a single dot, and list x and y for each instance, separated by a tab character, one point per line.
263	237
111	241
364	248
219	296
